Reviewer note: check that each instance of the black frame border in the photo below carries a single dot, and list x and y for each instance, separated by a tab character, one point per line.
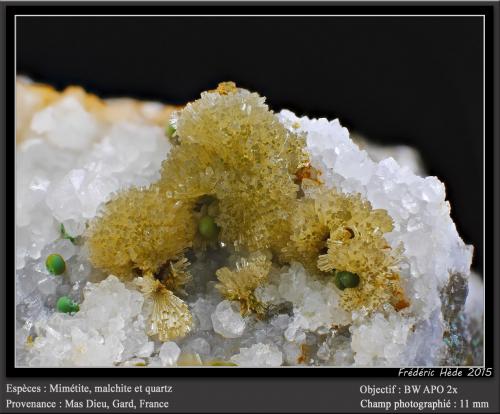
492	186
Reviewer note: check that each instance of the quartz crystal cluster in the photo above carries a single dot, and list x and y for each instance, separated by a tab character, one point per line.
224	234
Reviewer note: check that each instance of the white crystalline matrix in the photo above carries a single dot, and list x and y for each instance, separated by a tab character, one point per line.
108	329
259	355
227	320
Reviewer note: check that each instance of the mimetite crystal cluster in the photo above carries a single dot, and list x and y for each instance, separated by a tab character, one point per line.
234	162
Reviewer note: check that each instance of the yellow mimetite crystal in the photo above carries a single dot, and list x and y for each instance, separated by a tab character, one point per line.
309	235
232	147
350	233
240	283
178	275
170	317
139	231
224	88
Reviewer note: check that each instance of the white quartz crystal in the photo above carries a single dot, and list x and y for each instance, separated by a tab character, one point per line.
169	354
198	346
202	309
66	124
227	320
291	353
259	355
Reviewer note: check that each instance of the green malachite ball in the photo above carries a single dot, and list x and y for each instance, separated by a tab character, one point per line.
337	281
207	228
345	280
55	264
66	305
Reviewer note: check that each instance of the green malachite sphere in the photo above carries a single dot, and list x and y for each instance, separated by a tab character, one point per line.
348	279
337	281
345	280
207	228
55	264
66	305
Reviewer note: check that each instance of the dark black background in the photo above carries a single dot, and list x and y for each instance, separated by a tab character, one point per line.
397	80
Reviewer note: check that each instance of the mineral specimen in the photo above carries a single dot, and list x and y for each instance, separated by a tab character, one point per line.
225	234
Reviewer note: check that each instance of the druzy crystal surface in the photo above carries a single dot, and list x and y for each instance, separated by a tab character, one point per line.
294	200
